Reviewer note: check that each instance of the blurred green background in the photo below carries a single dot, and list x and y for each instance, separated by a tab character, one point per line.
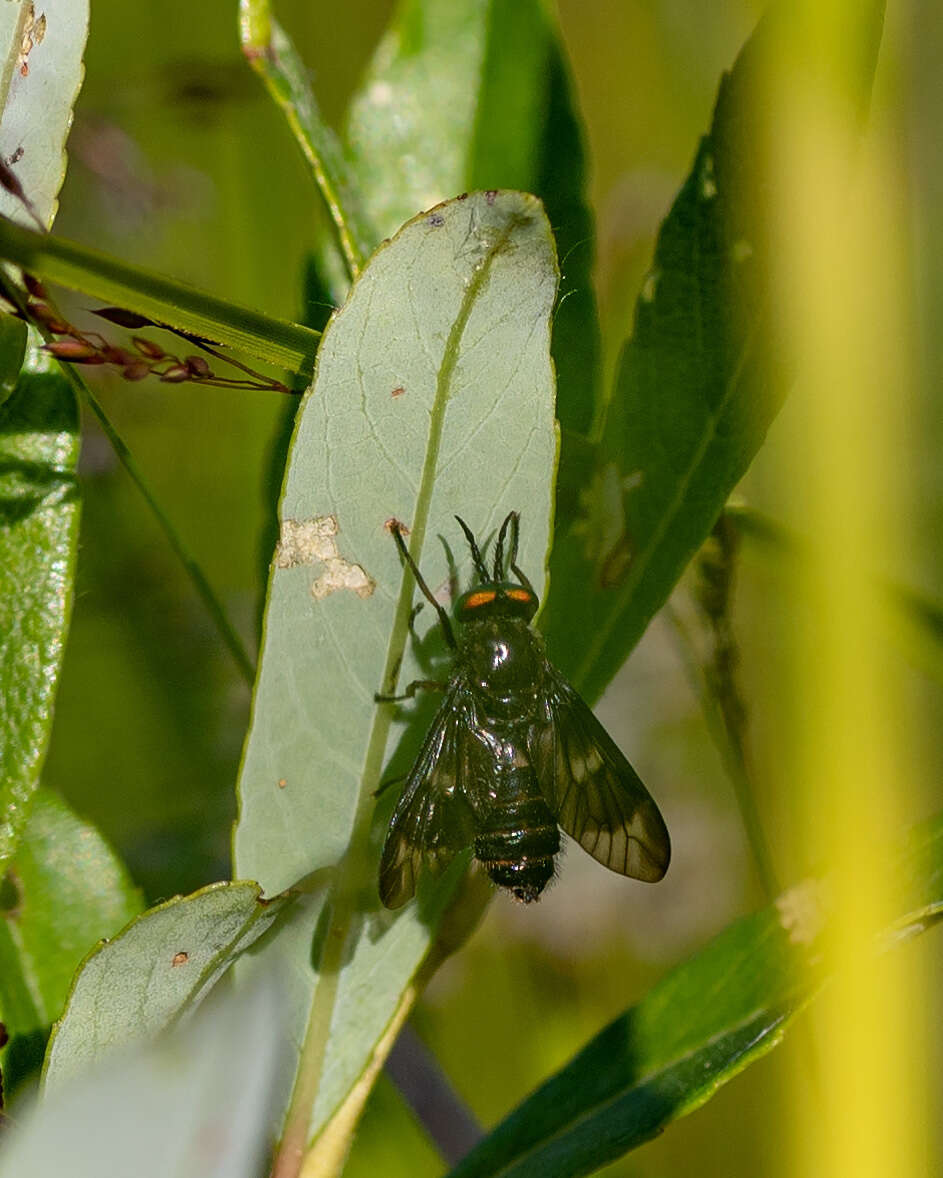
178	162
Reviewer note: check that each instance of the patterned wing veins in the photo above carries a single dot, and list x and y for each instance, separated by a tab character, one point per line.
595	794
433	819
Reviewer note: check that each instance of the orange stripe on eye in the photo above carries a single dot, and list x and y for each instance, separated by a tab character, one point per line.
519	595
483	597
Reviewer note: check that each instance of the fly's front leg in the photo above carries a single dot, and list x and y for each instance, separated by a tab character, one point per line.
410	692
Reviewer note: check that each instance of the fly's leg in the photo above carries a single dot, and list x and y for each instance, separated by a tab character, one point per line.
410	692
385	785
396	529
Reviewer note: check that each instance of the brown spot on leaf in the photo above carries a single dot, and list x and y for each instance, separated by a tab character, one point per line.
34	29
398	391
180	958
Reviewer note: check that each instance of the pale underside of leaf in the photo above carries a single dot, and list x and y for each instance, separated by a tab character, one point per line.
433	395
157	970
42	42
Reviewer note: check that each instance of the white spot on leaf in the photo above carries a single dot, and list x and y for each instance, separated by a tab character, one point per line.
313	541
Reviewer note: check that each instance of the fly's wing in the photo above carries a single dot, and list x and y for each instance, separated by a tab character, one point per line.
433	818
595	794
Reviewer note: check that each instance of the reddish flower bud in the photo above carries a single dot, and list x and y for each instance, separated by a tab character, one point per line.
147	348
44	314
120	356
75	351
34	286
176	373
198	366
136	370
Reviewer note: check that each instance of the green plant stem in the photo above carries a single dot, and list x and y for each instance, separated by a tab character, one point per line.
205	591
288	346
270	52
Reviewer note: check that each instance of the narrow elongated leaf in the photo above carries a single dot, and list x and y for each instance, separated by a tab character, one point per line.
433	394
64	890
697	1029
12	351
195	1105
155	971
411	126
274	58
39	515
42	46
700	380
274	341
476	94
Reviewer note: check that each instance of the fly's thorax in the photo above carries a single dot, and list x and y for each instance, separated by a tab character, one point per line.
503	662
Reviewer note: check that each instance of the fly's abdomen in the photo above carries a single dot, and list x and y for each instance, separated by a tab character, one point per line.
518	838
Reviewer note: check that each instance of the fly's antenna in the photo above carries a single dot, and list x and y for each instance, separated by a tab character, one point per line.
475	551
515	519
509	521
396	530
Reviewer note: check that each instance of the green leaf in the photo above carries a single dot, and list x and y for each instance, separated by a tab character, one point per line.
274	58
274	341
433	394
561	183
476	94
64	890
39	517
698	383
155	971
411	127
698	1028
12	351
41	44
196	1104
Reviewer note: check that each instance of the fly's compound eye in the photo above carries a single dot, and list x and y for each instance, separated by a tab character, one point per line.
524	603
504	600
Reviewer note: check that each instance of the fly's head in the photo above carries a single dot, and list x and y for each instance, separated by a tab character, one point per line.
497	596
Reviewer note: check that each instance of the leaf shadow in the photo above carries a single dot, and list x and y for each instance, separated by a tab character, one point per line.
37	486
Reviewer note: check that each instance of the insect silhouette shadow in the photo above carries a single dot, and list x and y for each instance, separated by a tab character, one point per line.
434	659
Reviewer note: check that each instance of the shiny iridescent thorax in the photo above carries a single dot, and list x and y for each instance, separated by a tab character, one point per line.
513	754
